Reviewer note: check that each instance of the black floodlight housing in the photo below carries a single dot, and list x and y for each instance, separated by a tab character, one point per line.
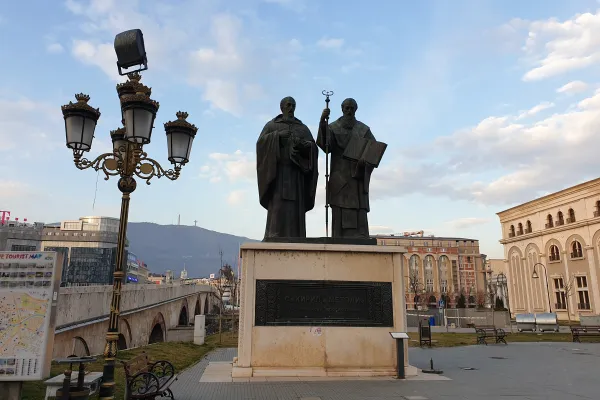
129	46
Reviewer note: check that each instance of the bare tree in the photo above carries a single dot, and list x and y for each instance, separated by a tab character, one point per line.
480	298
568	290
416	288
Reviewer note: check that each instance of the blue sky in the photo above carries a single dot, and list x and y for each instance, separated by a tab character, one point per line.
484	104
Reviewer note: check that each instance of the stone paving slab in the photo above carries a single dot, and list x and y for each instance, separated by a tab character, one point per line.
549	371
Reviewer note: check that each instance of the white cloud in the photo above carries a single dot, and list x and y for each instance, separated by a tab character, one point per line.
100	55
223	95
236	167
555	47
573	87
535	109
500	161
216	51
236	197
55	48
330	43
464	223
380	229
217	69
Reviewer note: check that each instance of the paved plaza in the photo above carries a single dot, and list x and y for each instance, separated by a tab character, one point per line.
549	371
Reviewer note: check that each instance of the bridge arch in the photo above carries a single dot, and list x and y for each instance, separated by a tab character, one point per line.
197	307
121	342
125	332
158	329
206	306
184	315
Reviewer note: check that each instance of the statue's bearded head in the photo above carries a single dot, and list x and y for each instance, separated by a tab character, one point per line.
349	107
288	106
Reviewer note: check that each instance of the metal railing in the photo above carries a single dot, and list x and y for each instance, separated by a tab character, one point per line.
224	325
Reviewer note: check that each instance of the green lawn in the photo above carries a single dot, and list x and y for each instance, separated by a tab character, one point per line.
466	339
181	355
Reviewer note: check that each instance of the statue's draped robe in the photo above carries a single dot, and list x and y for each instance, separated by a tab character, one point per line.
287	183
348	182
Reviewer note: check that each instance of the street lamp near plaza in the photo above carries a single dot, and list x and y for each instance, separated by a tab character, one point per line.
535	275
502	281
127	160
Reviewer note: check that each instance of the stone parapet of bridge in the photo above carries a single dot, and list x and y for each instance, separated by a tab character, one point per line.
81	303
149	314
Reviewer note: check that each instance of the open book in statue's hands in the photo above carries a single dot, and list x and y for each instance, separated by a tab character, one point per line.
365	151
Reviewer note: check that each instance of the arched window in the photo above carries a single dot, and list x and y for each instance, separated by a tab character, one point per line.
577	251
414	281
520	230
432	302
554	253
428	267
571	218
560	220
529	228
549	221
511	233
443	263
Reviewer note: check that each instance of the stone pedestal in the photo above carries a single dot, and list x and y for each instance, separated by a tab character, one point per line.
282	283
199	329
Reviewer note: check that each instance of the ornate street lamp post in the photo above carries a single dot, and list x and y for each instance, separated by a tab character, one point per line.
535	275
503	283
127	160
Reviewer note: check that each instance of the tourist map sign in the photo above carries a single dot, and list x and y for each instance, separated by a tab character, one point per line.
29	283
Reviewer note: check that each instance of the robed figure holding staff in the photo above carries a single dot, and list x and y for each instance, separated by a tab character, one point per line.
287	172
354	155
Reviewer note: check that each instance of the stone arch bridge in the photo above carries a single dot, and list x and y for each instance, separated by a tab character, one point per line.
149	314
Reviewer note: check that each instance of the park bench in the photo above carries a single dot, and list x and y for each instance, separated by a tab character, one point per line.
489	331
585	331
148	380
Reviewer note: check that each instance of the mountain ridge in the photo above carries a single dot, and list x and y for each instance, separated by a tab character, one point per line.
170	247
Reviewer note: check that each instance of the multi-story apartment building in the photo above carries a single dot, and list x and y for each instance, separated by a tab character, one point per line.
440	266
137	270
558	236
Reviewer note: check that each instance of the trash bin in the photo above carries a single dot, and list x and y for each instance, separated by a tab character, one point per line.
432	320
525	322
546	322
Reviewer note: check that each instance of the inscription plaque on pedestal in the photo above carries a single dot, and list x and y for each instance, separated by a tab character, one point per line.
323	303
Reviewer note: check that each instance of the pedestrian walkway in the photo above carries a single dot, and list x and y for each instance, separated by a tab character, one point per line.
495	372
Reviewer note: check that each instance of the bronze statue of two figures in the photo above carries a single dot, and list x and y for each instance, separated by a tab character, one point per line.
287	170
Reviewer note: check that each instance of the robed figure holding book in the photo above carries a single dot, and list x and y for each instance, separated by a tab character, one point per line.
287	172
354	154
